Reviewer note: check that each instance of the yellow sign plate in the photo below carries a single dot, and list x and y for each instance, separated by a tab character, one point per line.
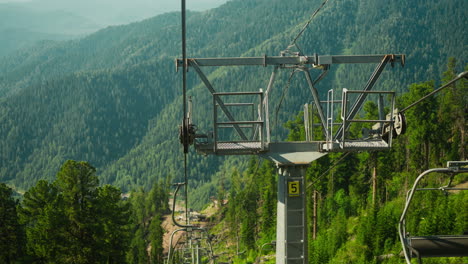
293	188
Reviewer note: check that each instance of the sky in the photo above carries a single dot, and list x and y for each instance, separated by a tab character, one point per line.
171	4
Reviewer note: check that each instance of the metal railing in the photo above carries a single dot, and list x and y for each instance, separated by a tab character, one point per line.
382	121
256	122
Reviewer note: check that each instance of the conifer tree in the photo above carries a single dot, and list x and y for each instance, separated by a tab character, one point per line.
42	215
10	231
77	183
114	231
74	220
156	233
452	115
422	124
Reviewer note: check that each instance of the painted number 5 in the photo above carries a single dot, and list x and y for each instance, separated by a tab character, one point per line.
293	188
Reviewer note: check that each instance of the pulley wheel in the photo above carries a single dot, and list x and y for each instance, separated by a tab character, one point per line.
187	134
400	124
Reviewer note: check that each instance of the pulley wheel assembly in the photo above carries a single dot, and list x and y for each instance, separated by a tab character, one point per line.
400	124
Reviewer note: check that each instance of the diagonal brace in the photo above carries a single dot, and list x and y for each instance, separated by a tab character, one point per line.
316	100
322	75
220	102
360	100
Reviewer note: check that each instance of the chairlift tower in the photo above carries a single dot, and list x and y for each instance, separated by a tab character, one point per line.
252	137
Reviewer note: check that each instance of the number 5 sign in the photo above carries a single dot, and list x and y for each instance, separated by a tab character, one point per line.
293	188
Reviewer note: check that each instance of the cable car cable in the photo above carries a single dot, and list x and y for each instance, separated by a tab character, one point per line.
461	75
293	42
184	98
343	156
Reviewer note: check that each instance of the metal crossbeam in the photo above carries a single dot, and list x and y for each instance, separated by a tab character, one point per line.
352	59
291	60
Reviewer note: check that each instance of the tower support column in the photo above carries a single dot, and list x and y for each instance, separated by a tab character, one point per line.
291	234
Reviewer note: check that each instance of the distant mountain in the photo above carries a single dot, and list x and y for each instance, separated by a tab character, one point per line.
117	12
52	21
14	39
113	98
22	27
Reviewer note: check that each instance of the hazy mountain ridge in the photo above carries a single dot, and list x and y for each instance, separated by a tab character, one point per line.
21	26
59	20
211	33
47	21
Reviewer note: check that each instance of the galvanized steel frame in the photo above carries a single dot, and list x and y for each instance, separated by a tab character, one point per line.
294	159
299	62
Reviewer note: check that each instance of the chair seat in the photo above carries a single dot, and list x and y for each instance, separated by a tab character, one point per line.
439	246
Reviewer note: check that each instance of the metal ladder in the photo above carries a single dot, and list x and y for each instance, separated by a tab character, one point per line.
293	216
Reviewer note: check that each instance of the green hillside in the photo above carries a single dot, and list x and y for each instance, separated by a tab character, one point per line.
112	98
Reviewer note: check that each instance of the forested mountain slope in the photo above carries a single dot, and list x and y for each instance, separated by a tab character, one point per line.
112	98
91	116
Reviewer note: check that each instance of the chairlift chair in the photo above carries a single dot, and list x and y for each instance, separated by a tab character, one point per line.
435	245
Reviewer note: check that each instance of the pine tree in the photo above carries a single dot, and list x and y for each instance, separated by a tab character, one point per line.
452	115
10	231
156	233
74	220
422	124
44	221
77	183
114	230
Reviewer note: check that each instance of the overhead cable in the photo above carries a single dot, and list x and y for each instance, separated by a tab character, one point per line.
461	75
343	156
184	91
293	43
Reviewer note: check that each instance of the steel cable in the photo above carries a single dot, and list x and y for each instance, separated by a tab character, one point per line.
293	43
461	75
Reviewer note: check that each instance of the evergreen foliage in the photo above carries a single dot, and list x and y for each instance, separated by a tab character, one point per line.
109	98
147	208
74	220
11	236
360	200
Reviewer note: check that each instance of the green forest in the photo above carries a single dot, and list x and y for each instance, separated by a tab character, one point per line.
113	98
358	199
89	133
75	220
